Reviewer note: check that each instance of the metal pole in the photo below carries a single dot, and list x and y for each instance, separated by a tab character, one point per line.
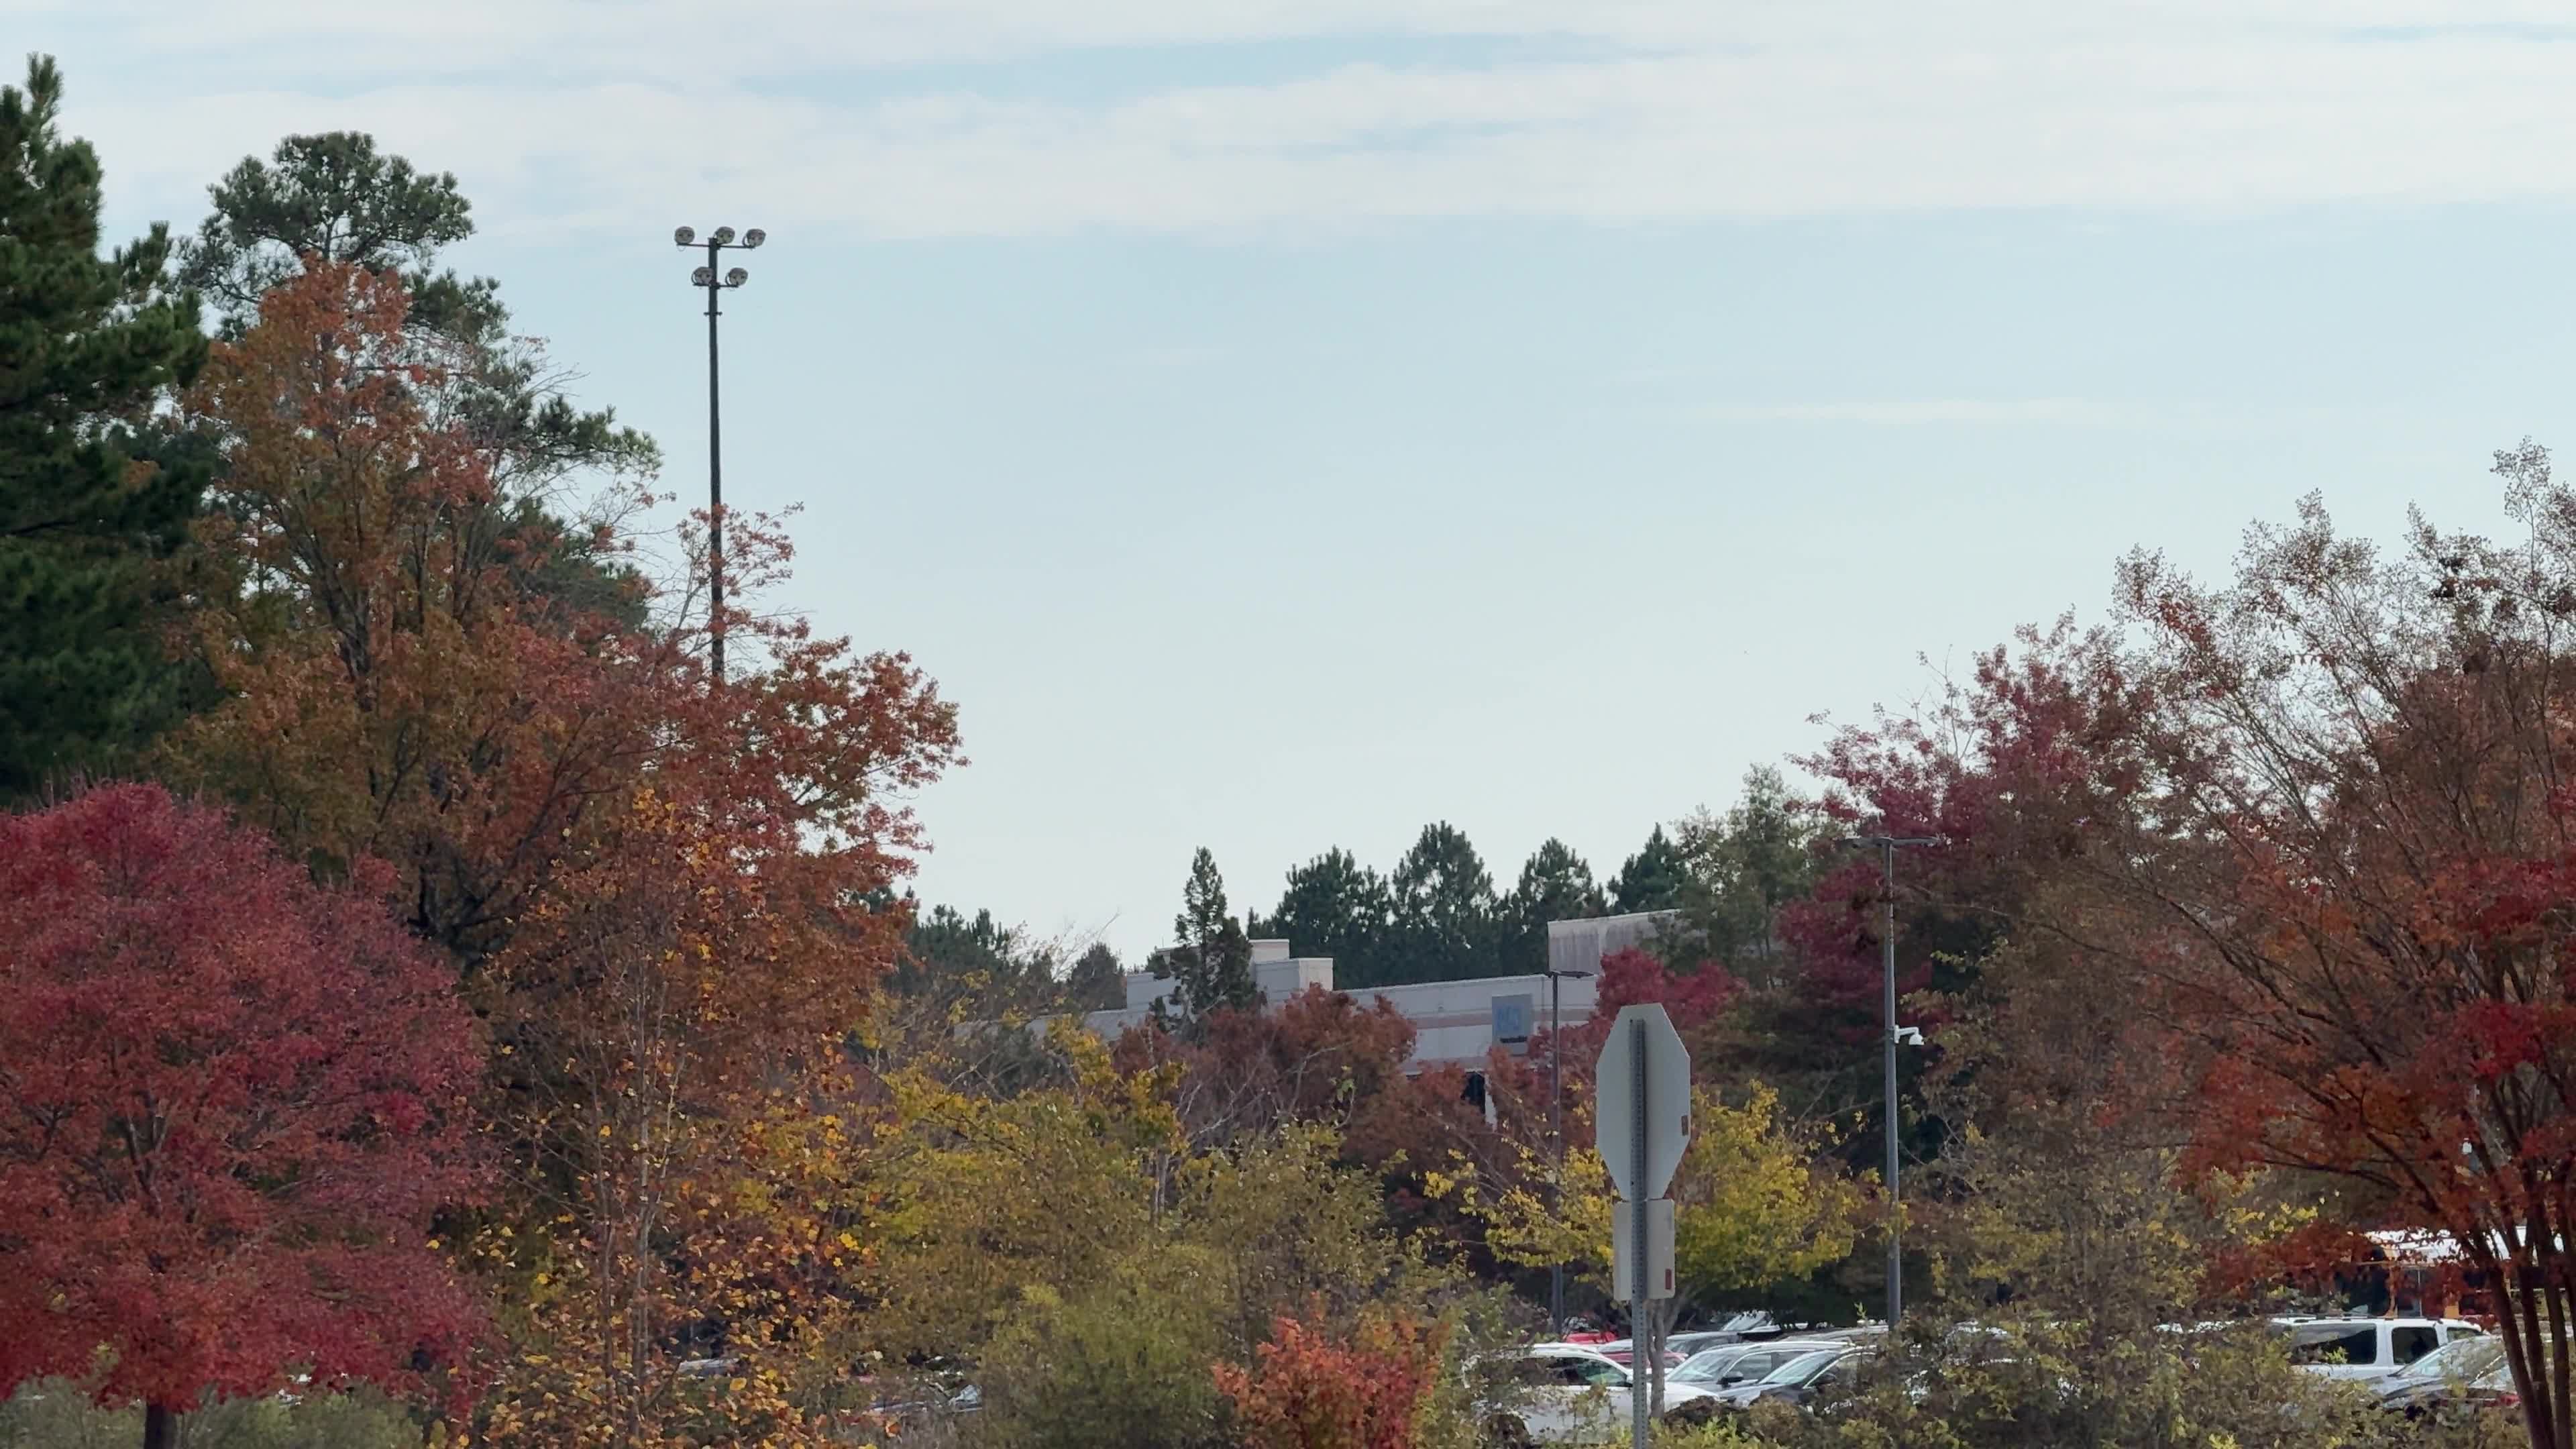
1640	1396
1895	1216
715	481
1556	1145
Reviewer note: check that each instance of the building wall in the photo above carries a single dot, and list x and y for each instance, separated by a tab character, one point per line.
1454	1022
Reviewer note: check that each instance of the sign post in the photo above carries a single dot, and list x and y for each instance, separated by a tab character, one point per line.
1641	1403
1641	1124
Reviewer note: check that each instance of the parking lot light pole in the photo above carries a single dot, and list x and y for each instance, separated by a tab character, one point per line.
717	241
1556	1135
1887	846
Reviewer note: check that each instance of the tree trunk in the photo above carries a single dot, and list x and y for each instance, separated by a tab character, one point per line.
160	1428
1647	1345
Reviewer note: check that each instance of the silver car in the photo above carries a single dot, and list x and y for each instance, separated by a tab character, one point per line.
1565	1393
1744	1363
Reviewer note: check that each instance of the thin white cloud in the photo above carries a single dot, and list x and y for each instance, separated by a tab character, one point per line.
573	115
679	38
1931	411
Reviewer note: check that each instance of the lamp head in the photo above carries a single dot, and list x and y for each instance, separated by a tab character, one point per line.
703	277
723	236
686	236
754	237
737	277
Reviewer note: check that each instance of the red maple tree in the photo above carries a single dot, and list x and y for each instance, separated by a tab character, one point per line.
1318	1055
2346	890
230	1101
2312	830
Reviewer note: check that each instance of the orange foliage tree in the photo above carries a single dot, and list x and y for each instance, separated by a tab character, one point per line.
651	886
1306	1391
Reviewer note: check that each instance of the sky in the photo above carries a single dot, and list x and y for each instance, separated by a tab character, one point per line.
1280	425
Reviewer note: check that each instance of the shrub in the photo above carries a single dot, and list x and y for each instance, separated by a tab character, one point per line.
1120	1365
1306	1391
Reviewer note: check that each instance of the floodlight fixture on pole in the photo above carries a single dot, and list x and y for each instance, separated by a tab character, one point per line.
1887	846
1555	1132
705	277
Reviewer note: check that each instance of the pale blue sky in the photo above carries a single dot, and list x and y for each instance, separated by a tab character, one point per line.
1280	425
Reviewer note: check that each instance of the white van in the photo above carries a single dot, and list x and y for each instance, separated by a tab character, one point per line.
2368	1348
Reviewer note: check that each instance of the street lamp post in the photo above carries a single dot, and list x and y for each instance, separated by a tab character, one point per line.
1556	1134
1887	846
717	241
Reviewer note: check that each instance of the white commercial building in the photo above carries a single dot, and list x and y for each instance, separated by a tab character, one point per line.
1454	1022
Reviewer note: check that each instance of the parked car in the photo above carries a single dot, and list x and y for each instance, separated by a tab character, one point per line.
2366	1349
1679	1347
2464	1373
1752	1325
1744	1363
1801	1379
1567	1393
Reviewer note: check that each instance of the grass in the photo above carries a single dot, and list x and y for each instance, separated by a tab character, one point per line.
55	1415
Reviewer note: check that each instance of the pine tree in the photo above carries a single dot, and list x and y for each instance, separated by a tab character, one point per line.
1332	906
334	198
1445	911
1555	885
1211	955
90	344
1652	879
1096	983
946	949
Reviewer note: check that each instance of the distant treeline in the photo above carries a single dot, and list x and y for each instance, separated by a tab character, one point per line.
1437	915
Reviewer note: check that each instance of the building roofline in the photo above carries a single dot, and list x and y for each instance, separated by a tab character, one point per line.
1540	976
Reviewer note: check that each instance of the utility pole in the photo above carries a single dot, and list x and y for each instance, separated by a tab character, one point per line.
717	241
1887	846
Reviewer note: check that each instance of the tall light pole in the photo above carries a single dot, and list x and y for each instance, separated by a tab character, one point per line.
717	241
1556	1134
1887	846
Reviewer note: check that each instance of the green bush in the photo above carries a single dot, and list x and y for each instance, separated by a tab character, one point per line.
1715	1435
1123	1364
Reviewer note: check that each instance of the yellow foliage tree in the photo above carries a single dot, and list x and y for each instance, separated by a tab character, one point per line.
1755	1203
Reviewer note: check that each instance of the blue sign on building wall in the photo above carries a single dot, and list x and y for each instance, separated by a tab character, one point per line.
1512	1019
